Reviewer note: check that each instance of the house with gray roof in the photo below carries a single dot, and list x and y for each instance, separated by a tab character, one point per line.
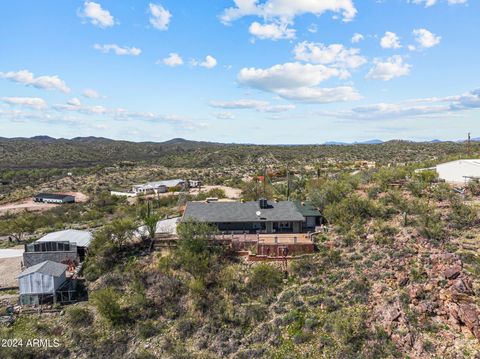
255	217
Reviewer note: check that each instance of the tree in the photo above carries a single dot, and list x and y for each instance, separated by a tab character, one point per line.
120	230
150	219
18	226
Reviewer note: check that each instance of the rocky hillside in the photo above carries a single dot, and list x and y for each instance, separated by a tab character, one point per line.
396	275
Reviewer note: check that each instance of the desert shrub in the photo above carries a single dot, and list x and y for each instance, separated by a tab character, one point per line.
442	192
303	267
386	175
347	331
431	227
186	327
79	316
214	192
107	302
264	279
325	193
147	329
474	187
462	215
351	213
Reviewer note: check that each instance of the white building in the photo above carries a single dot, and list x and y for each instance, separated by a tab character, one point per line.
460	171
39	284
158	186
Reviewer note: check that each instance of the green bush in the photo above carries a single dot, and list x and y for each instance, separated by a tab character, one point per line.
462	215
79	316
264	279
107	303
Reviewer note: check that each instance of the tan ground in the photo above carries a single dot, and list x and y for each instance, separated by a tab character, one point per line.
9	270
27	204
230	192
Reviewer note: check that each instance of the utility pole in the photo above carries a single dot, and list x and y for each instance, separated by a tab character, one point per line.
288	184
264	181
469	146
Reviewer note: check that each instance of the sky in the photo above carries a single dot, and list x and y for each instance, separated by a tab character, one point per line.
243	71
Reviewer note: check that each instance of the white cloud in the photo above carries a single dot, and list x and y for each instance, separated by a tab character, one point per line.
74	102
313	28
42	82
296	81
97	16
320	95
209	63
118	50
288	75
335	54
173	60
416	108
390	41
225	115
89	93
33	102
390	68
425	38
357	37
287	10
244	104
159	16
273	31
429	3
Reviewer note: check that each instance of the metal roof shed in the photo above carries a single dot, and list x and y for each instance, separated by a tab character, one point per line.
41	281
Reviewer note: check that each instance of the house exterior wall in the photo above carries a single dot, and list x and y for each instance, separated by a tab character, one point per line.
32	258
454	172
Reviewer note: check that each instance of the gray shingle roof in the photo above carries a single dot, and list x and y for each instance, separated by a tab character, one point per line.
48	267
218	212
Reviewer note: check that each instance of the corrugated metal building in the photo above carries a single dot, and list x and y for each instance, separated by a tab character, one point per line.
39	284
68	246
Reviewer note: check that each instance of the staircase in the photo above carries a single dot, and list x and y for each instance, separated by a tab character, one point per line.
164	240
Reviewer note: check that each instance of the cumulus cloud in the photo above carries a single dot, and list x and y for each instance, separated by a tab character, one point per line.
118	50
249	104
286	10
173	60
425	38
159	16
390	41
272	31
25	77
357	37
32	102
209	63
335	55
390	68
96	14
89	93
297	81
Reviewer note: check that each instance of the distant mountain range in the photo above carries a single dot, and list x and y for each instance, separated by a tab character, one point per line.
49	152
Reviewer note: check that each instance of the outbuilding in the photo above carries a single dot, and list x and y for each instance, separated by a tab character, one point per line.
56	198
67	246
39	284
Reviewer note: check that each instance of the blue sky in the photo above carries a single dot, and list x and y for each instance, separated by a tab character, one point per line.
270	71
